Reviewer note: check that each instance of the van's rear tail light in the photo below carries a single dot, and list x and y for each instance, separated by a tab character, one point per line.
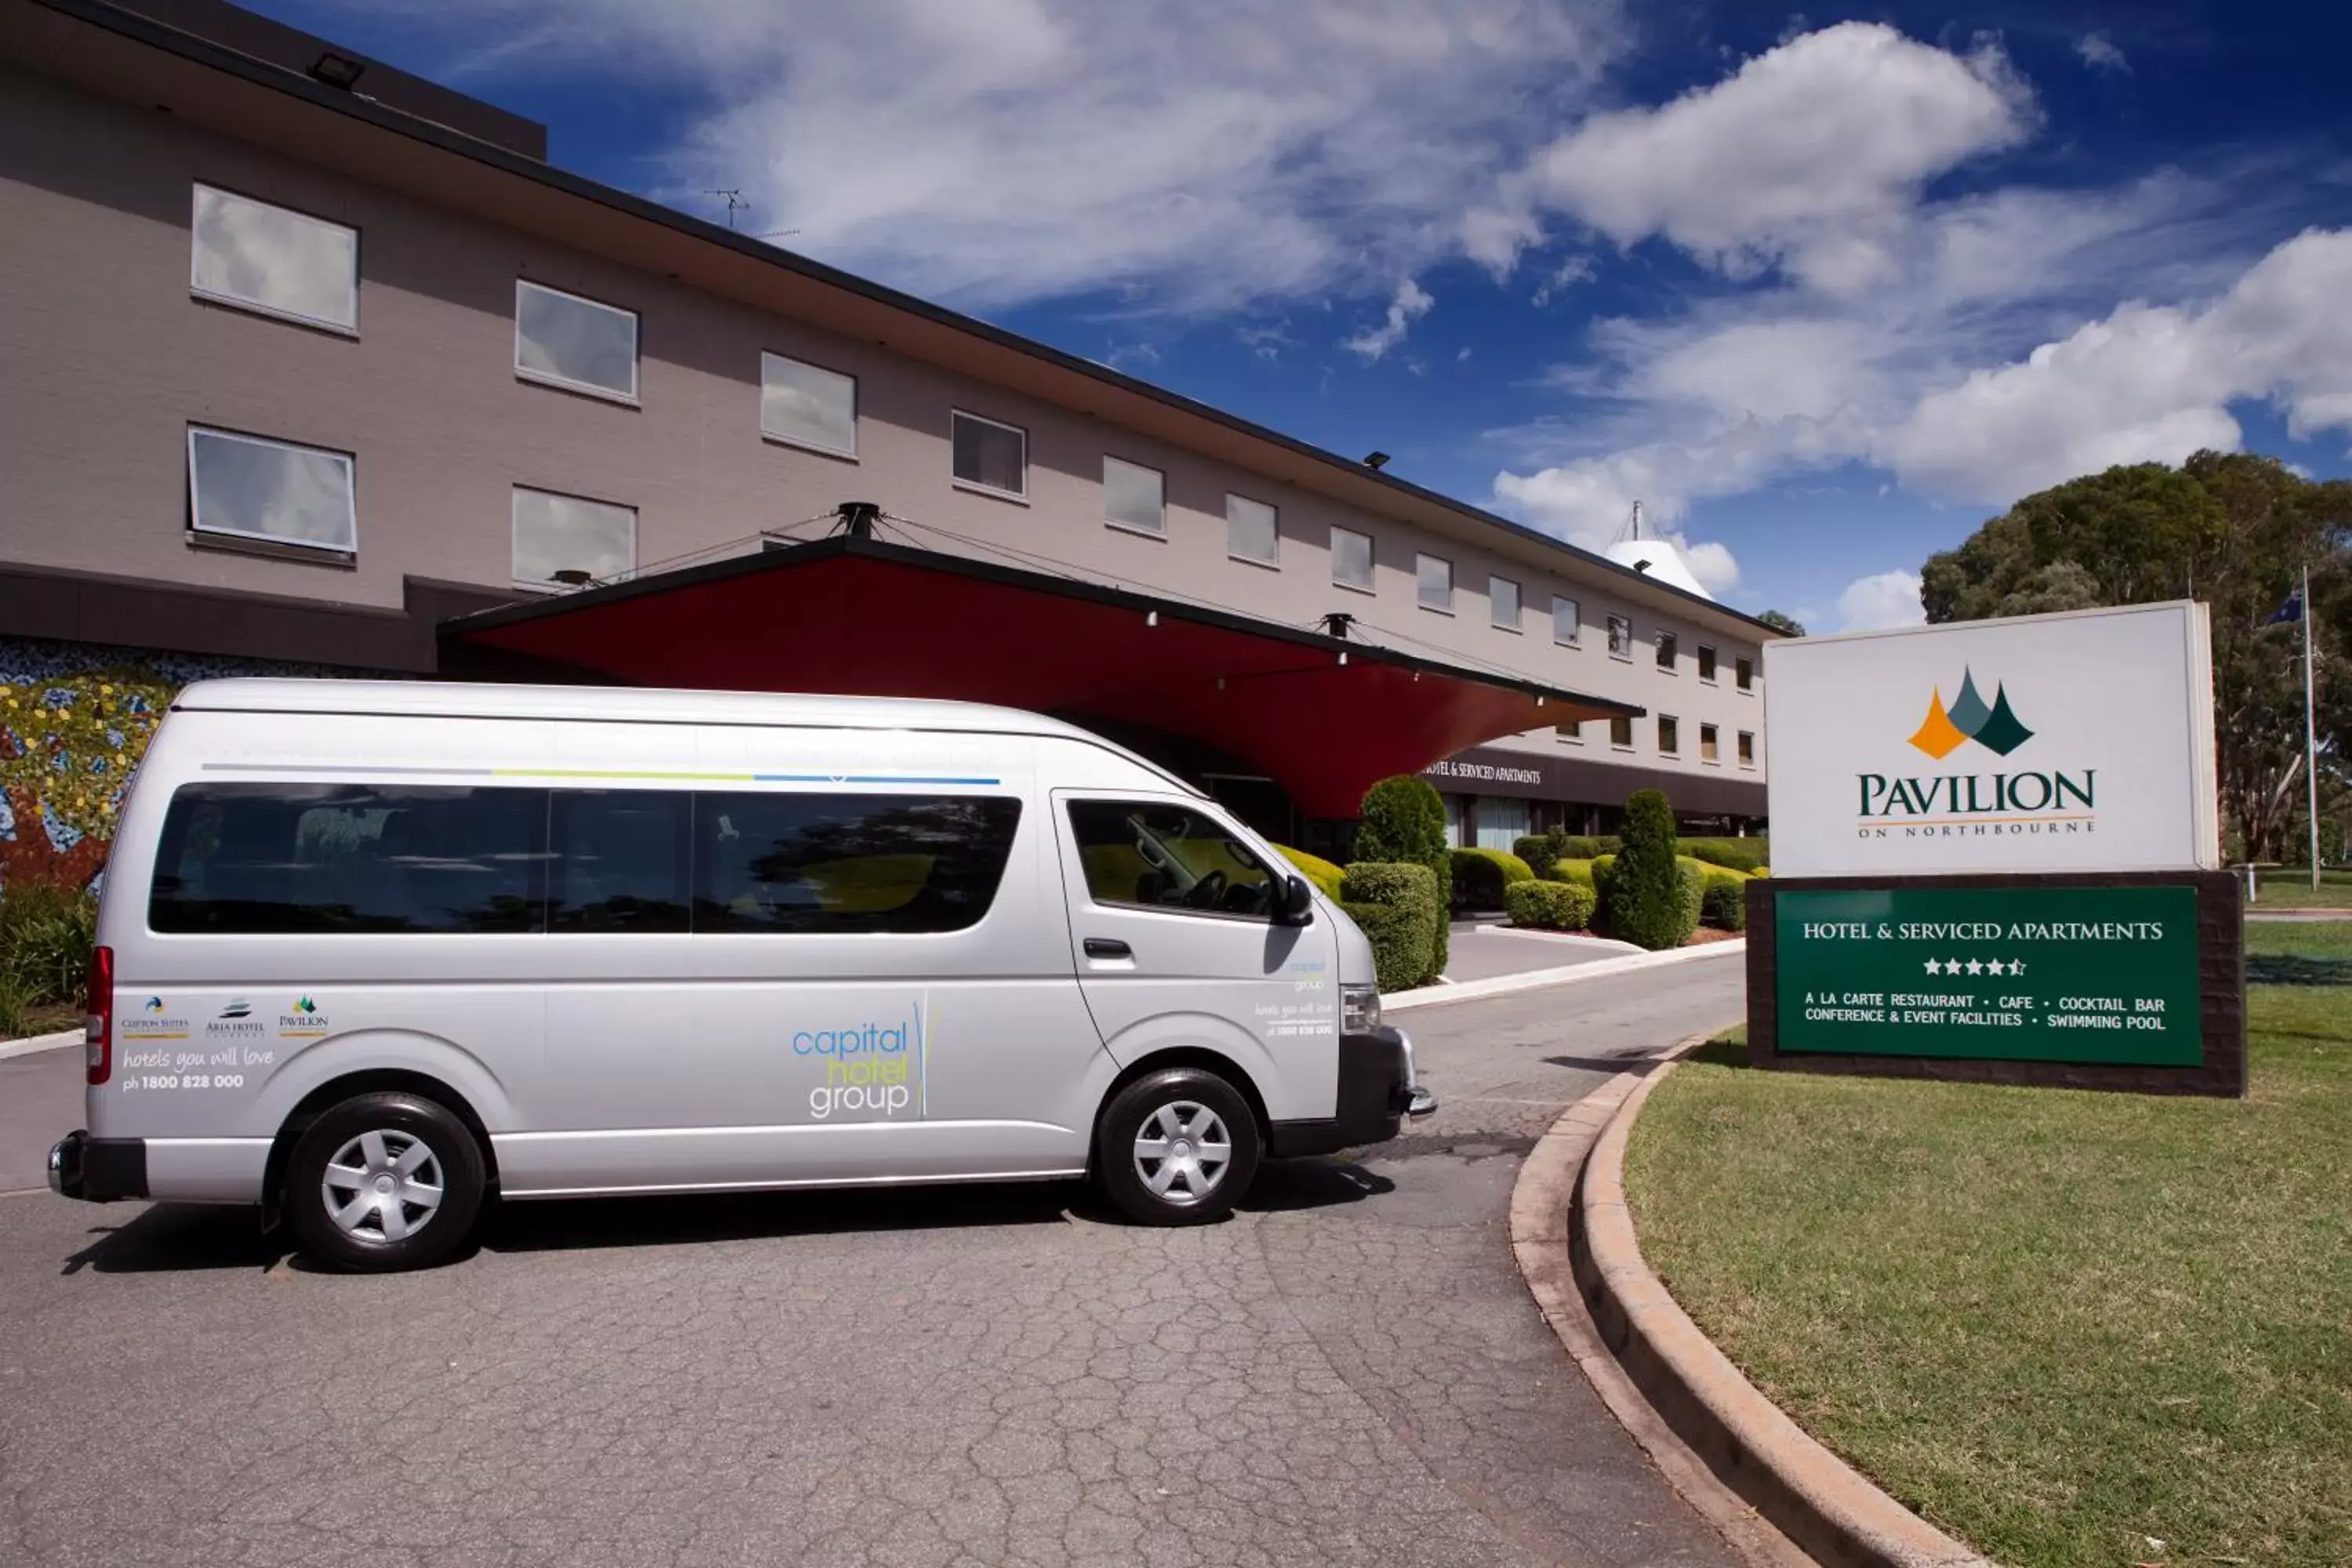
97	1023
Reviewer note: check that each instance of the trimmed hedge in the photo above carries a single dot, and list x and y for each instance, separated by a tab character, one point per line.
1404	823
1724	905
1550	906
1397	907
1733	854
1604	876
1578	873
1573	847
1481	877
1315	869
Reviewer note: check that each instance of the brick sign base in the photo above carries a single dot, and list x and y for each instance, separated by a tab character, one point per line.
1865	992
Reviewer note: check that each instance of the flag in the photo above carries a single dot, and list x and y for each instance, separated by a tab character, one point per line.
2289	610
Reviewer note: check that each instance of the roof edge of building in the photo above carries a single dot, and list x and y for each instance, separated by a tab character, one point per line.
216	56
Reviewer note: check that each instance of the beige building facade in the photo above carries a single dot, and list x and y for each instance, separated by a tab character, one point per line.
299	370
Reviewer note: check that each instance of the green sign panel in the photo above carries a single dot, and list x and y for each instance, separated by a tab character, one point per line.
2046	974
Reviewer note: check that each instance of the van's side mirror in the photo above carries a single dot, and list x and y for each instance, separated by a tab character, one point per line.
1297	905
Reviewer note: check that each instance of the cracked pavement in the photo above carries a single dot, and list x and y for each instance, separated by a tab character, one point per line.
1348	1372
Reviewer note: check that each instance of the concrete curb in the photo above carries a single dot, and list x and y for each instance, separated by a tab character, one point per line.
1816	1500
1533	979
32	1043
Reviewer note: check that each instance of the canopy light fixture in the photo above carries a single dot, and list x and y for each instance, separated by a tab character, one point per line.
338	70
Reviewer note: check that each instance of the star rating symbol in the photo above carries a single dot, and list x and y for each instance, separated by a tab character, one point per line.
1934	967
1975	968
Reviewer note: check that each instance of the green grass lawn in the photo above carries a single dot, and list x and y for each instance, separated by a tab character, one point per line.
2058	1324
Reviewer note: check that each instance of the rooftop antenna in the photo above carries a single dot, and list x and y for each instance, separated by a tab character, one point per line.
735	201
1632	529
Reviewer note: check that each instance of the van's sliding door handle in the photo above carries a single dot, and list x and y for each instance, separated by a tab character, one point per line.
1107	947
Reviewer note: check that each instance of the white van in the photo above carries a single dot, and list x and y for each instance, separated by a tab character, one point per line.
371	951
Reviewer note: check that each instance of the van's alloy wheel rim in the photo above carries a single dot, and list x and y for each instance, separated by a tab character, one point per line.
383	1186
1183	1151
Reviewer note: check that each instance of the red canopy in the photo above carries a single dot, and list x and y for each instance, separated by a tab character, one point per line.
1325	717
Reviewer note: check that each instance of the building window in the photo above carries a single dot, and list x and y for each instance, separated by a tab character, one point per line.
1744	673
1706	664
243	487
1499	821
1747	749
1670	735
991	456
568	540
808	406
1351	559
1571	732
1621	636
1134	497
563	339
1564	621
262	258
1666	652
1251	533
1706	748
1620	731
1503	602
1434	582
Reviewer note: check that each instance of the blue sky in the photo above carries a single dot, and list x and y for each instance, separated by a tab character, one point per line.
1823	290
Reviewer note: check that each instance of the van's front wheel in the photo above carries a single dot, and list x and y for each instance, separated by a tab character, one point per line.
1176	1147
385	1182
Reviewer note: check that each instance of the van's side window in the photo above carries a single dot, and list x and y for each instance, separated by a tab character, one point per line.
1168	857
290	857
621	860
858	863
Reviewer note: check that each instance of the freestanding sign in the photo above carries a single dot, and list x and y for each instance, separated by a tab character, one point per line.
2069	743
1993	852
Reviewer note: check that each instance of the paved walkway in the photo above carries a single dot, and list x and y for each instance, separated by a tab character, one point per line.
1350	1372
1482	949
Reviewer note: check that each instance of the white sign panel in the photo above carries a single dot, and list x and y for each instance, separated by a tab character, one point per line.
2071	743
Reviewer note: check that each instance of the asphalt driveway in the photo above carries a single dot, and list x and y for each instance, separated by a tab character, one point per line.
1350	1371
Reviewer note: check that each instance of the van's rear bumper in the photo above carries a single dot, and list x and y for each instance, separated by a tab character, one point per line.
99	1170
1377	1090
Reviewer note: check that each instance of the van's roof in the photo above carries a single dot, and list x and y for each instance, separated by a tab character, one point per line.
483	699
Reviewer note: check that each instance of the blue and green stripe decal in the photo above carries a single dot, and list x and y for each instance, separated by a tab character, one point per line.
675	775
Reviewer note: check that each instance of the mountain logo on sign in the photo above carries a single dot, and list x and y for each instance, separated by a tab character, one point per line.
1995	727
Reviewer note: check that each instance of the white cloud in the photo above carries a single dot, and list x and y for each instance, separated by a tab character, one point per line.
2146	383
2098	51
1877	603
1412	302
1565	276
1191	154
1808	157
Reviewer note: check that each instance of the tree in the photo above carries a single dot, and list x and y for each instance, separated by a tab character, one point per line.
1780	622
1648	903
2234	529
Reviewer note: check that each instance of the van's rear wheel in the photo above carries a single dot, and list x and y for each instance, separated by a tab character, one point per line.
385	1182
1176	1147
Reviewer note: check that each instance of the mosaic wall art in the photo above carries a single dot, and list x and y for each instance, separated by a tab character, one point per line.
74	722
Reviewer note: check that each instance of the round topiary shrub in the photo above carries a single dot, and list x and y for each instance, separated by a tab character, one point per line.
1315	869
1577	872
1397	907
1404	823
1725	903
1653	896
1482	876
1550	906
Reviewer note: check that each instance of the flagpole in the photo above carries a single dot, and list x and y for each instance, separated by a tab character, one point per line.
2310	733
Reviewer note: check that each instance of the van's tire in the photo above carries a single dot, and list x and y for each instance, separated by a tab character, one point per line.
385	1182
1176	1147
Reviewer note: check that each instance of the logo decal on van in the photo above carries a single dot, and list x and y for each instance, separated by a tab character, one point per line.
235	1019
868	1076
155	1023
304	1023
